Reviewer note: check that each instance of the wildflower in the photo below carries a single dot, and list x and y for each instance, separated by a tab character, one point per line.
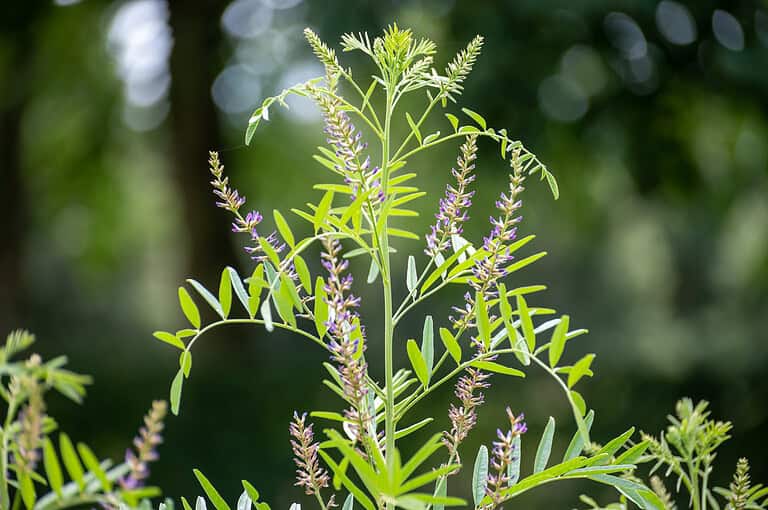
145	445
486	270
231	200
452	212
464	418
504	453
346	140
489	269
30	419
347	336
309	473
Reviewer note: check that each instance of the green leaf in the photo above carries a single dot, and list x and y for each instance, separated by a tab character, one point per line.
614	444
251	490
431	138
185	362
71	461
52	467
169	338
580	369
578	402
483	322
184	501
373	271
513	470
480	475
255	283
412	428
321	307
557	343
524	262
441	491
266	315
427	343
92	463
545	447
413	126
442	268
451	345
418	363
411	278
303	271
27	491
349	503
633	454
225	293
453	120
189	308
426	450
269	251
491	366
237	284
283	228
577	442
210	491
176	386
526	323
209	298
476	117
340	472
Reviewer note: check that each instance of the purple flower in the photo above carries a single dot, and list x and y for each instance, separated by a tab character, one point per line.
503	454
145	447
347	144
453	206
309	474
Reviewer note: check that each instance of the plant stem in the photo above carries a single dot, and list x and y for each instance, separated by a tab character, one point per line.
4	497
389	427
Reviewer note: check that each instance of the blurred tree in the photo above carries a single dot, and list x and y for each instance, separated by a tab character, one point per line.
195	60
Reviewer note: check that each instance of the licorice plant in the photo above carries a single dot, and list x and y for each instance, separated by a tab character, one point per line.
494	332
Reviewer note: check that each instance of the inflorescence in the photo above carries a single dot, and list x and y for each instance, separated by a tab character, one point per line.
145	447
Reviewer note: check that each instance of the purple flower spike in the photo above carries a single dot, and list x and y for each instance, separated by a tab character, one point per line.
145	445
452	212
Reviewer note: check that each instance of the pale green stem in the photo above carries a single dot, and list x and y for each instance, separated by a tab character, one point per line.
4	495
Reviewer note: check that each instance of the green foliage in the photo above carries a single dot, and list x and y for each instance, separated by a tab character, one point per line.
360	214
70	475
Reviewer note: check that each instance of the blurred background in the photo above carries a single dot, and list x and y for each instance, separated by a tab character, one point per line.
653	116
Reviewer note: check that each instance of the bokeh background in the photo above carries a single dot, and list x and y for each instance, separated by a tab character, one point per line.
653	116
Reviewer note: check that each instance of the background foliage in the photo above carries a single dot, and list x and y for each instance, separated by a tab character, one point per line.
652	115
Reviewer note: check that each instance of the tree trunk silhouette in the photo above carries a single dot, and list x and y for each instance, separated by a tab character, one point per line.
195	129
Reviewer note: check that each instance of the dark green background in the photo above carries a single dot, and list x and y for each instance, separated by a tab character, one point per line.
658	245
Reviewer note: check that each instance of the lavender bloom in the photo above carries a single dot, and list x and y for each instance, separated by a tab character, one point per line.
464	418
457	200
504	453
30	420
346	343
347	142
309	473
231	200
489	269
145	445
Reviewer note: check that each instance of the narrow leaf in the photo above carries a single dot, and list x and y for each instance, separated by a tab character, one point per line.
71	461
52	467
545	447
225	293
480	475
210	491
411	278
427	343
557	343
189	308
451	345
418	363
283	228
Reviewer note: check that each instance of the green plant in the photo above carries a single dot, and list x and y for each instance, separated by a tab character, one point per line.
495	331
686	453
29	458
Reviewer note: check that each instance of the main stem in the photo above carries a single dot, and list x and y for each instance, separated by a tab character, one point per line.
387	284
